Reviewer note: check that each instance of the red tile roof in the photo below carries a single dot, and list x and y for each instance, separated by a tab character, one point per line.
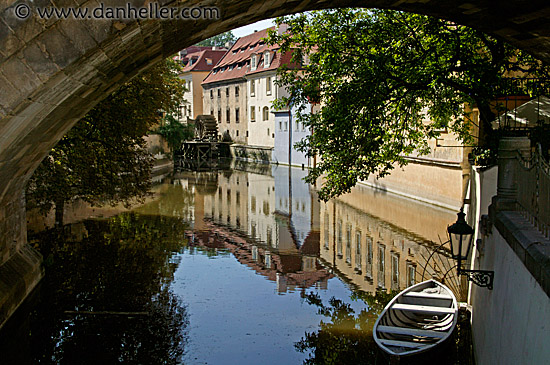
203	60
236	62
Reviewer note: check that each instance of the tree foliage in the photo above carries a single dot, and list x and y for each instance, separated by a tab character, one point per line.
175	133
219	40
388	81
104	159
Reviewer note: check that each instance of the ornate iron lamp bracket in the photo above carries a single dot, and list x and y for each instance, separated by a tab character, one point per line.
482	278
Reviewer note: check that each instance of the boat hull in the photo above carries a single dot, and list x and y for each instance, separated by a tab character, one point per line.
417	320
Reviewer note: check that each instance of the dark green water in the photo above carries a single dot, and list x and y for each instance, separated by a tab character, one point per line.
201	275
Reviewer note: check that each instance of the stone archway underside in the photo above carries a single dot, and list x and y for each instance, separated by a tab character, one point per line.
52	72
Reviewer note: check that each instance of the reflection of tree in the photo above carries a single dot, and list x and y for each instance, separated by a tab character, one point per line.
124	264
347	338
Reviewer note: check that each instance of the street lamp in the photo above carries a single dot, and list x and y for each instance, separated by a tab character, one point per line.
461	236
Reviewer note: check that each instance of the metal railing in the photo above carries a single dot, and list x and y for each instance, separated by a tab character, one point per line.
533	197
512	93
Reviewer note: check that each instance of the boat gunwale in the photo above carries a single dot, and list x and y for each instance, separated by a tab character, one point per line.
425	347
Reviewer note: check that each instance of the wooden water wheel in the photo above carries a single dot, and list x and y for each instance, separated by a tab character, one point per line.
206	128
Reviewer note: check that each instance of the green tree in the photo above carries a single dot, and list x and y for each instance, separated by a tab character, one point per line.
104	159
175	133
219	40
388	81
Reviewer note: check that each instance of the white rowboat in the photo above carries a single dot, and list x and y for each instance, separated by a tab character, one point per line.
418	319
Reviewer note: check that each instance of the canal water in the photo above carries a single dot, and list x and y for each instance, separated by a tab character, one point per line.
236	266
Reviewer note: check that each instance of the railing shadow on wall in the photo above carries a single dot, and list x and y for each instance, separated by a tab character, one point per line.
534	189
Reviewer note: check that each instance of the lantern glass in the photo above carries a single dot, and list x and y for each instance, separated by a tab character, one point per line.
460	235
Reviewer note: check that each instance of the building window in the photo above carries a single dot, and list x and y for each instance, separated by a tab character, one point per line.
208	61
219	93
268	260
252	114
358	250
286	125
219	115
339	240
268	86
269	235
212	112
395	271
381	265
228	115
253	62
368	256
327	227
411	274
227	92
237	115
252	87
348	245
236	91
280	126
266	113
267	60
211	94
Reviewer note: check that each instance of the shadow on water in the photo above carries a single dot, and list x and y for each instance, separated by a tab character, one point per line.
106	296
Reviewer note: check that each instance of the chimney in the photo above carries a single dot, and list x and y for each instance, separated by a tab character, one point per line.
282	28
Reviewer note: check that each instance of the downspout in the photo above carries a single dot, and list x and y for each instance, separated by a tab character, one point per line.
289	134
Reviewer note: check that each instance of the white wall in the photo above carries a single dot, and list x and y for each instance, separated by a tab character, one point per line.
511	323
282	130
261	132
188	100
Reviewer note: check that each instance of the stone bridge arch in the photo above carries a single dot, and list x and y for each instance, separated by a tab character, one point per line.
53	71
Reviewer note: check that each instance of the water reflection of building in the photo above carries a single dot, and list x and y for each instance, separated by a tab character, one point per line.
371	240
372	253
279	215
290	271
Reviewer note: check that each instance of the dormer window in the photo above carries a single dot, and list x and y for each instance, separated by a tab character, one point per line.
267	59
208	61
253	62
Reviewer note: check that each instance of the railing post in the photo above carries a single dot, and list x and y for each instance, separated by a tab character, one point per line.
507	185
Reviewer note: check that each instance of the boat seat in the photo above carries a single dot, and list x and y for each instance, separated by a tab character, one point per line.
407	344
411	331
423	295
423	309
